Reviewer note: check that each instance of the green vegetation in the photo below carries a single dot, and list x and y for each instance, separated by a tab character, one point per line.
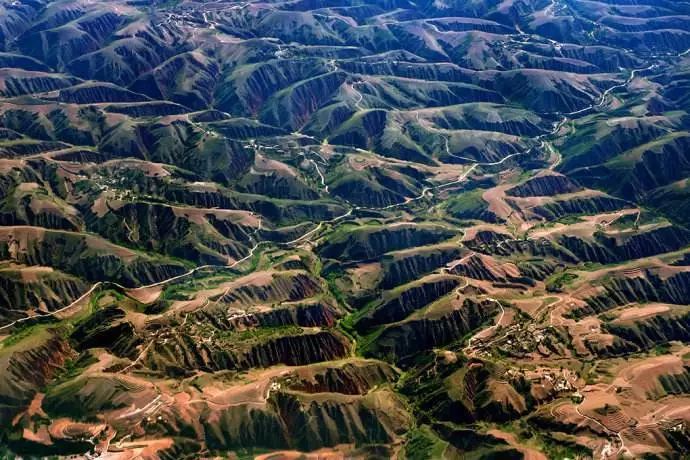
558	281
468	205
72	369
187	287
661	349
423	444
37	327
25	331
409	153
569	220
260	334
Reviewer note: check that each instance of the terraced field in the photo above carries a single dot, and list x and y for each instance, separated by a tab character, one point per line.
345	229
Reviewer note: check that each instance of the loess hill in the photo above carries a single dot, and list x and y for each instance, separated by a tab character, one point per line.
345	229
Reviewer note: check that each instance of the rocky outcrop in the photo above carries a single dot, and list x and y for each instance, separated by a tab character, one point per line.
179	232
306	422
147	109
402	339
546	185
17	82
19	61
404	266
181	353
646	333
24	148
609	347
85	256
107	328
279	211
650	287
538	269
462	393
376	418
39	290
376	187
587	205
488	242
277	185
469	440
291	109
188	79
89	93
245	128
304	314
278	287
269	299
372	241
607	249
248	89
472	206
547	91
405	300
676	384
483	267
356	377
28	367
47	218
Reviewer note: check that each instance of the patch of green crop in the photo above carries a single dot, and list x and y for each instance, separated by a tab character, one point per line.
469	205
569	220
71	369
423	444
559	280
259	334
24	331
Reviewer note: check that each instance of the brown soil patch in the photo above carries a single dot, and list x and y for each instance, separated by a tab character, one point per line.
641	312
146	295
33	274
495	197
528	453
335	453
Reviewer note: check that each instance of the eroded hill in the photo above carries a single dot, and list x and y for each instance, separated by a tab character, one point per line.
345	229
